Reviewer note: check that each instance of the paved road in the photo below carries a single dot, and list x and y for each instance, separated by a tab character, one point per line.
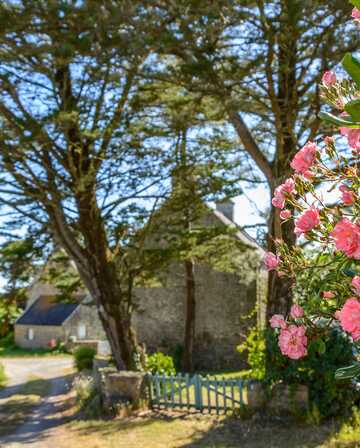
38	430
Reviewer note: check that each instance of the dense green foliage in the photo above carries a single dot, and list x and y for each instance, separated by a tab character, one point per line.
254	346
317	370
84	358
2	376
328	396
159	363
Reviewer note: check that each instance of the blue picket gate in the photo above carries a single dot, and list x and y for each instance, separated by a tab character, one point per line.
198	392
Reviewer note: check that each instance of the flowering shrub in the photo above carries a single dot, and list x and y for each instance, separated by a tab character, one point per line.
322	197
328	396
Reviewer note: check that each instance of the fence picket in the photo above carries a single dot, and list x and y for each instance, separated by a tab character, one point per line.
232	395
241	392
180	390
187	390
164	391
217	397
208	393
223	383
157	387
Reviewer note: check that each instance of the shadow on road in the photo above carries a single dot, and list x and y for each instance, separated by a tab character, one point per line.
43	417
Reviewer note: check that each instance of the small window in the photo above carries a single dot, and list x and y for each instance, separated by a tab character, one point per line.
82	331
30	334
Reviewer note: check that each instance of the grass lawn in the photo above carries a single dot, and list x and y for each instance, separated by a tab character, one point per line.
15	352
179	431
17	408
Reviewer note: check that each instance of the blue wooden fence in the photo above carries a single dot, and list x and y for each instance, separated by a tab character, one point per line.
198	392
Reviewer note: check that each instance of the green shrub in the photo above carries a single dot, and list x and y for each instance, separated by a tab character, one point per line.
178	356
254	345
159	363
8	341
2	376
84	357
328	397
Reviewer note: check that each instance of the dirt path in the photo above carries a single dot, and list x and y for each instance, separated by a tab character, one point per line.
49	415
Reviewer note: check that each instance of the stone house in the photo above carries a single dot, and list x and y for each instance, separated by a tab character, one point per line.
224	301
46	319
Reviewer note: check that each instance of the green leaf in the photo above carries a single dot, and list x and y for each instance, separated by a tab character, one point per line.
356	3
352	66
347	123
321	347
348	372
353	108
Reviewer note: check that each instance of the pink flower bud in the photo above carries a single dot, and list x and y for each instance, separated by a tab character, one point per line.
271	261
355	13
296	311
277	321
355	284
328	78
285	214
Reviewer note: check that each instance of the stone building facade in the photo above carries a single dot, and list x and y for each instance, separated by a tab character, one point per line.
224	301
46	320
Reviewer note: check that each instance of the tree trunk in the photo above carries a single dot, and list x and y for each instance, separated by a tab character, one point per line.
279	288
285	105
100	274
187	361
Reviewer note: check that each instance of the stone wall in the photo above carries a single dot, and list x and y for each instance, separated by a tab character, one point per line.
84	315
42	335
222	299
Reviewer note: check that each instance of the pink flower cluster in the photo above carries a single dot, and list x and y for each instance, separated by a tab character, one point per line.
347	238
305	159
288	186
349	317
347	195
293	342
292	339
307	221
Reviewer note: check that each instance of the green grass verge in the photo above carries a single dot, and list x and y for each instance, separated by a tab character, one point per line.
208	432
3	377
13	351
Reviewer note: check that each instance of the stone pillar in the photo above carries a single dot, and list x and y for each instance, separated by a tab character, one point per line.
287	399
256	398
124	391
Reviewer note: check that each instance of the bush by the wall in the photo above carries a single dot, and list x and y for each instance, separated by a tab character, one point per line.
159	363
254	346
84	357
328	396
8	341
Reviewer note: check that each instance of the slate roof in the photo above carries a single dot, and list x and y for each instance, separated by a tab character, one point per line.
46	310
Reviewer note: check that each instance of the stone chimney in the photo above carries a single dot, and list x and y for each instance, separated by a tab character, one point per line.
226	207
